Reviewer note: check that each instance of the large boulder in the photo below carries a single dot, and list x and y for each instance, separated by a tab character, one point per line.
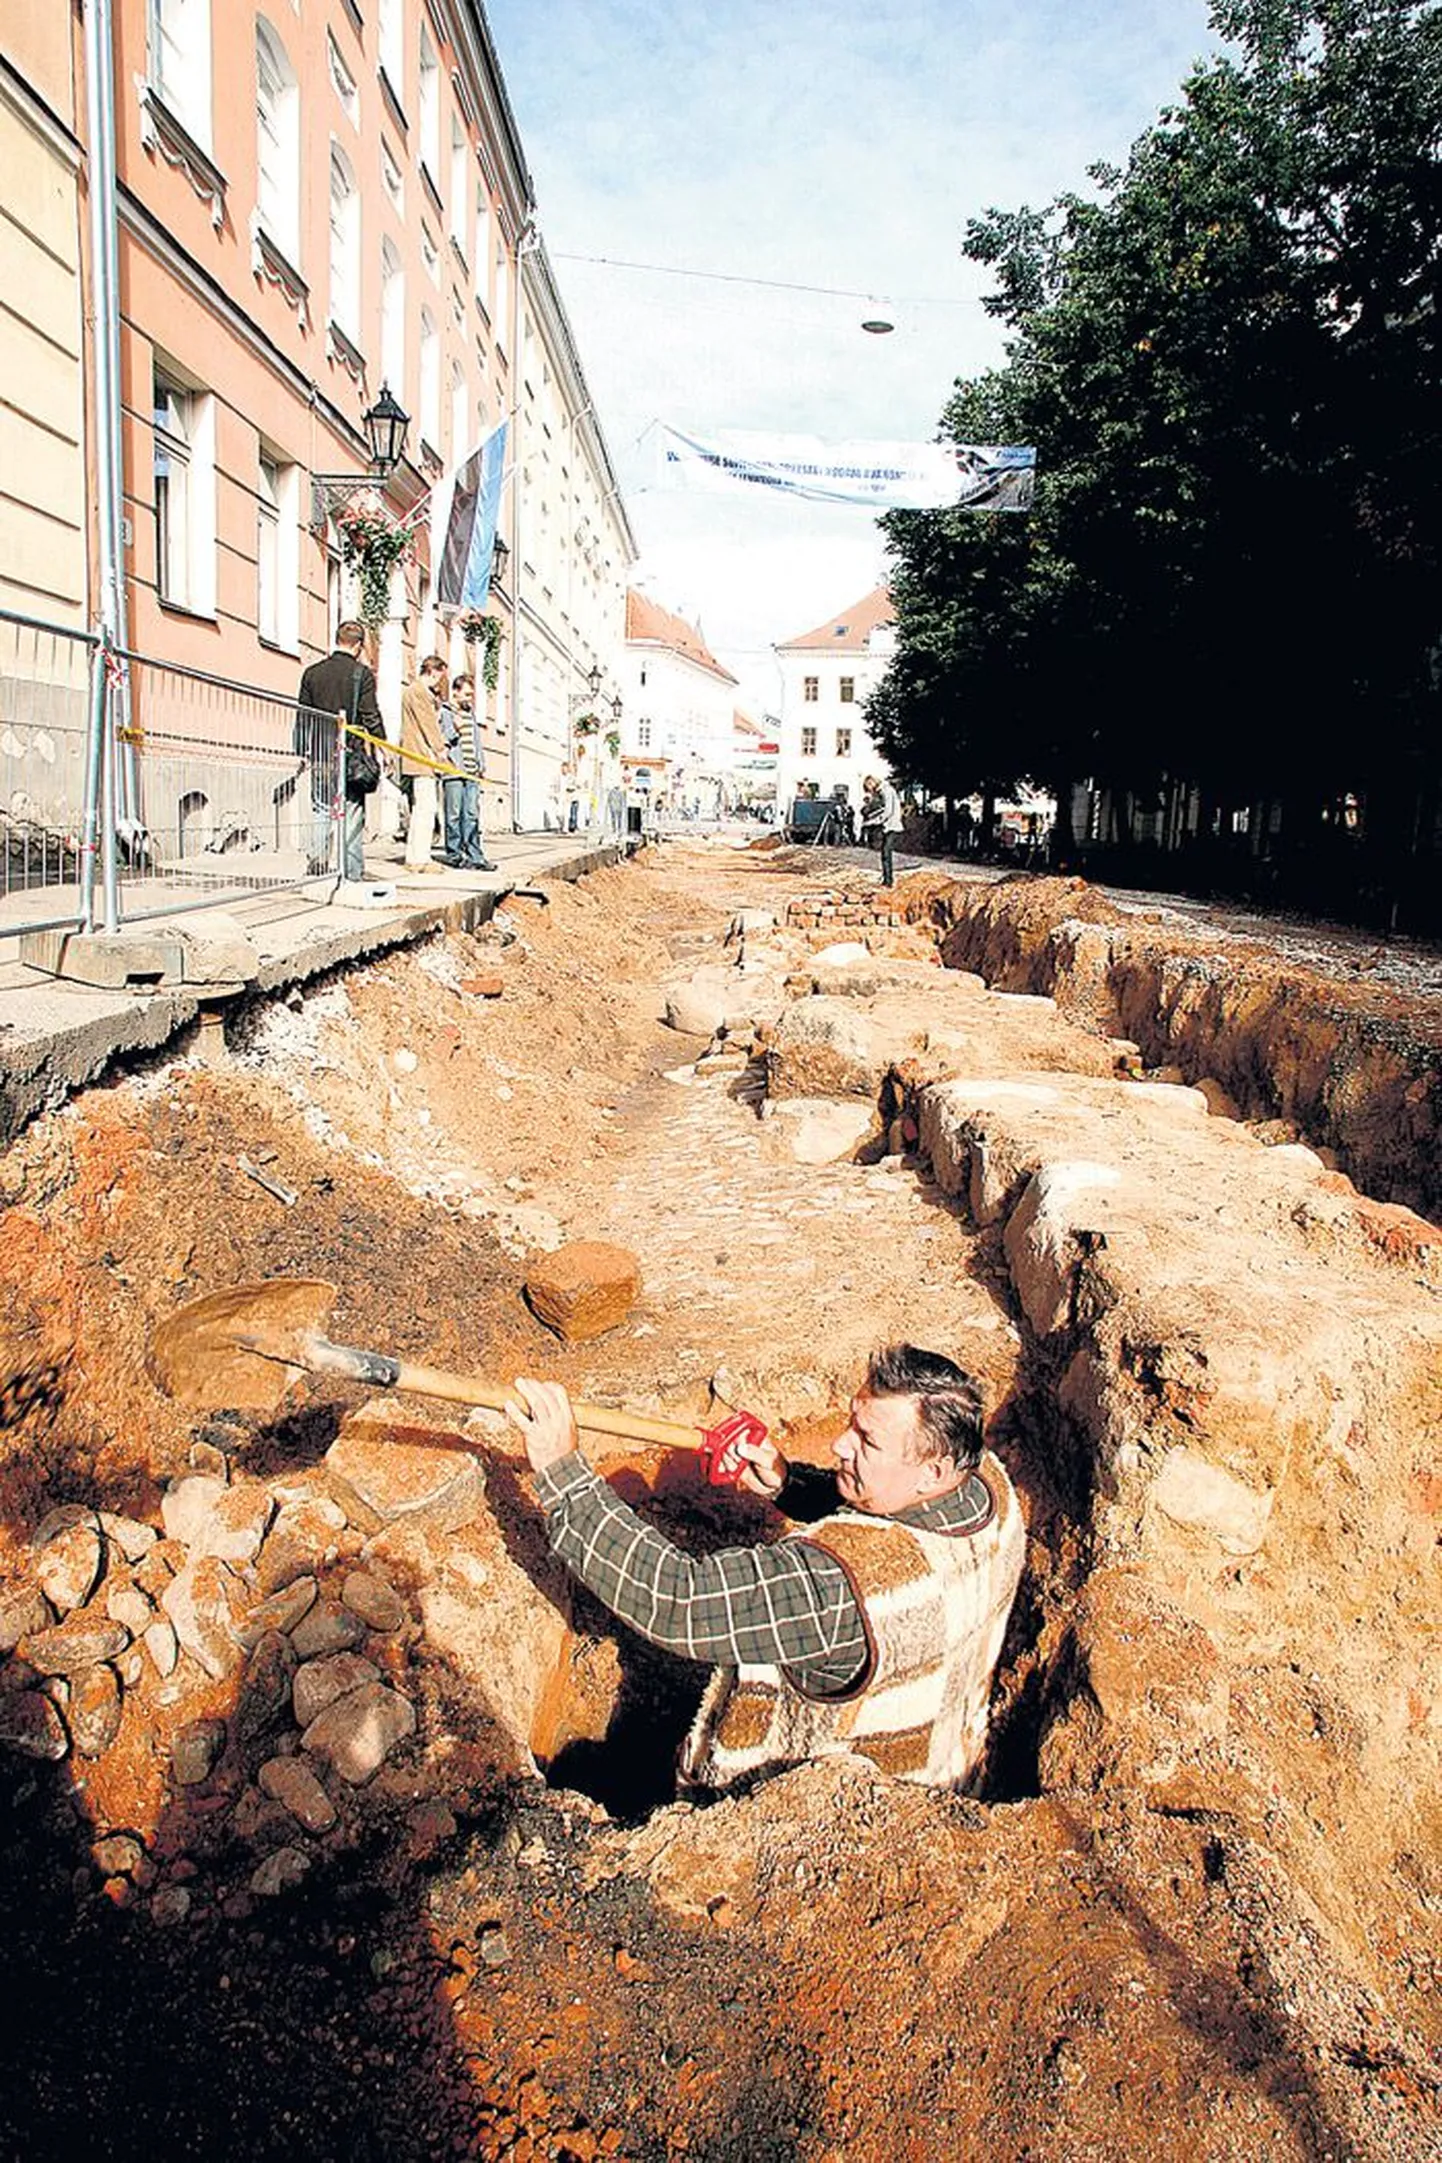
825	1047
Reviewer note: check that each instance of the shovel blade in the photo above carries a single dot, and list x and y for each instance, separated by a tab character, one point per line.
242	1347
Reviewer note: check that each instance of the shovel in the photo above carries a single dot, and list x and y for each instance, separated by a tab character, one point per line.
246	1346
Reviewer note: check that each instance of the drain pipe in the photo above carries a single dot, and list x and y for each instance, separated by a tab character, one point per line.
101	748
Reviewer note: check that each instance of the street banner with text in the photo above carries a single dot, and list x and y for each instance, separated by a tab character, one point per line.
883	476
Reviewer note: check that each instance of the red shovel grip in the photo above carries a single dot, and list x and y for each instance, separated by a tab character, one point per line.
720	1452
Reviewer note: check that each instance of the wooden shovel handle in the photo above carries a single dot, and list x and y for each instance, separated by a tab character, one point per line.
596	1418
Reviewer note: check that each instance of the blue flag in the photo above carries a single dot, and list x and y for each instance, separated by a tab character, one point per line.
463	564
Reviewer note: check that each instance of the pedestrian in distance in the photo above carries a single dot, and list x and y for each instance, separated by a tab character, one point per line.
881	818
461	727
339	694
421	734
872	1627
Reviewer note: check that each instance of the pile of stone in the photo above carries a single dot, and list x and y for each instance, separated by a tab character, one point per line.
275	1599
827	912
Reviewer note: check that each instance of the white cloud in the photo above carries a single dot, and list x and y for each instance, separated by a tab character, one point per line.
842	145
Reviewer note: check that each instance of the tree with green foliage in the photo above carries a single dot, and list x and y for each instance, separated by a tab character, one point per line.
1227	358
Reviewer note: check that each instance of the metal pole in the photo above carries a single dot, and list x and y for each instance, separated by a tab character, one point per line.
100	807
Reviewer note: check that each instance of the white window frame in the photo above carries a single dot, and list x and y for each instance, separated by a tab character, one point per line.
393	179
460	205
277	141
500	321
430	398
184	484
483	246
392	45
345	244
462	440
430	109
179	63
393	319
810	690
808	741
277	550
846	690
342	81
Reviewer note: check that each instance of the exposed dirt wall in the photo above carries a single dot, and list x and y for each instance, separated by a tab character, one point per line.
1356	1066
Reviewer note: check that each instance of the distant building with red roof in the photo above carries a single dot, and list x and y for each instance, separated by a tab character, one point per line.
826	676
678	716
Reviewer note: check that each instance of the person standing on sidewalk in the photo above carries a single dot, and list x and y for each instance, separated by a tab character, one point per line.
461	793
343	686
421	733
881	815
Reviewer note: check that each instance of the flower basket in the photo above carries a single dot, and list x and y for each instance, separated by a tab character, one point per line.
479	630
371	544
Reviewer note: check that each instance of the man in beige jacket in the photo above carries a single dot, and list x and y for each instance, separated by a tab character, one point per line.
421	732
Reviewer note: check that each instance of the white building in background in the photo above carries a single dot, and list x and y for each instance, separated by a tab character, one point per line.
571	549
678	724
826	676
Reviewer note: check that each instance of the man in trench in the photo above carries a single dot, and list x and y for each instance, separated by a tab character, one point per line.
873	1626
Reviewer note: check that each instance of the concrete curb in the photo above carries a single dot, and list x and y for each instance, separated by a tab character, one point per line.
58	1036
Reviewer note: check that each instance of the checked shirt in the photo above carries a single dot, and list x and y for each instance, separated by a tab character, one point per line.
789	1605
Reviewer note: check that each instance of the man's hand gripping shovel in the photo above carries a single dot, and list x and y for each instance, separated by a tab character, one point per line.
248	1345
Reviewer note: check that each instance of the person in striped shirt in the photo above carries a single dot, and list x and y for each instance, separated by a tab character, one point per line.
872	1626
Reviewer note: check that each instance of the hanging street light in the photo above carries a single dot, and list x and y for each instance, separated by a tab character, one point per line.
385	426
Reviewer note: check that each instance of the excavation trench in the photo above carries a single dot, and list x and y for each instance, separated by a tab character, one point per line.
320	1769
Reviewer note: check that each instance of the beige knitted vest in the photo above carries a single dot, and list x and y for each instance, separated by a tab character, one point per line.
935	1607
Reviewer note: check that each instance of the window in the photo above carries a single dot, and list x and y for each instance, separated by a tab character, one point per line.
392	47
277	551
430	414
392	181
277	142
843	743
429	255
811	689
393	320
483	244
341	80
462	439
643	734
501	321
808	743
345	239
460	185
848	690
180	62
184	473
430	110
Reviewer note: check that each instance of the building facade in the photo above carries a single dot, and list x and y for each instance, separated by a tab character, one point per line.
826	677
313	200
573	547
44	541
678	727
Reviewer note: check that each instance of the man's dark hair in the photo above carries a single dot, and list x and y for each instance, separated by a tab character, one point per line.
948	1400
350	633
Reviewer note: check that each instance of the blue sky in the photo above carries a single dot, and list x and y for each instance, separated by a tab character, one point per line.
840	146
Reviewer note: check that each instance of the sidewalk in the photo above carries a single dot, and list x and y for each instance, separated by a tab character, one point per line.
57	1035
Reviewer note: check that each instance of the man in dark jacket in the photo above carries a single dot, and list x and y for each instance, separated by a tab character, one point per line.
337	690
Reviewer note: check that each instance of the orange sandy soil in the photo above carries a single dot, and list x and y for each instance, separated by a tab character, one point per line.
482	1966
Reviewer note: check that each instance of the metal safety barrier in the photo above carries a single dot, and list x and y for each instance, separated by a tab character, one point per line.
46	689
210	790
231	791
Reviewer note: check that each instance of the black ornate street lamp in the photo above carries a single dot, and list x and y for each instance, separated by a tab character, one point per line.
385	426
593	679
